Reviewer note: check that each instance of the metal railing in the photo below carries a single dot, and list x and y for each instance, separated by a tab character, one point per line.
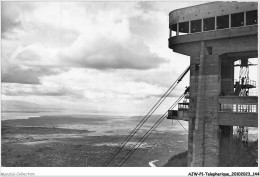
231	93
239	108
246	82
183	106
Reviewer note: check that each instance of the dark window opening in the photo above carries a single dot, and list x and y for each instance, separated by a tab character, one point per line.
184	27
223	22
209	49
197	67
174	27
195	26
209	24
237	19
251	17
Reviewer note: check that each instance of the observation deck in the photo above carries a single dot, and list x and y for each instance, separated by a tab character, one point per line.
211	21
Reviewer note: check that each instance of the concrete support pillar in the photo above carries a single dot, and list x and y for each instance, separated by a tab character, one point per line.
225	143
211	96
189	27
177	30
198	136
202	25
227	75
190	140
215	22
229	21
244	18
194	72
205	137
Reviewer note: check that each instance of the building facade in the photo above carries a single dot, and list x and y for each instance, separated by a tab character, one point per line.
216	36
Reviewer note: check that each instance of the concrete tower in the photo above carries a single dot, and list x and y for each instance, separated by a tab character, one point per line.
215	35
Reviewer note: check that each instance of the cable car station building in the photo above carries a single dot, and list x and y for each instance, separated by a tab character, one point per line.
215	35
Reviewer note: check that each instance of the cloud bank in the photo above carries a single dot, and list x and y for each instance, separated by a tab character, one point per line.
102	56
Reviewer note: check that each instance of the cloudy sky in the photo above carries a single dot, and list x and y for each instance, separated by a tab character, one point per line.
91	57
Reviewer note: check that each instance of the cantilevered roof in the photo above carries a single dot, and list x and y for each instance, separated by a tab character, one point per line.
209	10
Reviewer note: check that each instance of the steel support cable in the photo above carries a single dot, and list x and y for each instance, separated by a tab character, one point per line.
145	118
148	115
147	134
138	127
182	126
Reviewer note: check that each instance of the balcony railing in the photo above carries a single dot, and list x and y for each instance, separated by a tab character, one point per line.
231	93
249	82
183	106
239	108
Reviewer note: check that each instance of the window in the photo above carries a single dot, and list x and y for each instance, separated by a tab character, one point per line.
174	27
183	106
223	22
251	17
197	67
227	107
184	27
209	24
209	50
254	108
240	108
195	26
234	108
237	19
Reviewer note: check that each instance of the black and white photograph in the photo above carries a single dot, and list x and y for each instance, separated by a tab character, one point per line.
171	84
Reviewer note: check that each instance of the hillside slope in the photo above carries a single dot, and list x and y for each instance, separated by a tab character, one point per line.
244	156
